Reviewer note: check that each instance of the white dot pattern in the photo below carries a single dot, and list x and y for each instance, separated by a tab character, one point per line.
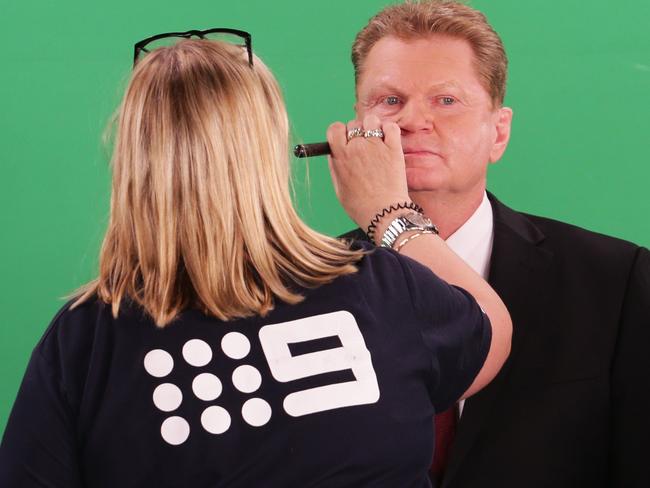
197	352
175	430
158	363
246	378
167	397
256	412
215	420
207	386
235	345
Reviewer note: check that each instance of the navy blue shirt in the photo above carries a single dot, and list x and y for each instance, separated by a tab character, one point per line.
338	390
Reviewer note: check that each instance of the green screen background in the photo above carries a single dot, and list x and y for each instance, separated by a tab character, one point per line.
579	86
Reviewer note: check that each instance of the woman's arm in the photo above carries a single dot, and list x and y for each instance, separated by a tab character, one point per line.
368	175
39	446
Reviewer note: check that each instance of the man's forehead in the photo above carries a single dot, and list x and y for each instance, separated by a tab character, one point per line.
422	49
427	63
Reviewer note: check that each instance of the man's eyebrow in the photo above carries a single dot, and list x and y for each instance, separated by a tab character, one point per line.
390	88
448	85
385	87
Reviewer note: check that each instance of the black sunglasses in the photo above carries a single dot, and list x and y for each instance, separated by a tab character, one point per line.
219	34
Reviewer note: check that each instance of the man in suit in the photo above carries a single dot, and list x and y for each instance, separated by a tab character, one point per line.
571	407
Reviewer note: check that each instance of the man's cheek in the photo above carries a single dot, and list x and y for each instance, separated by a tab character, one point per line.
384	113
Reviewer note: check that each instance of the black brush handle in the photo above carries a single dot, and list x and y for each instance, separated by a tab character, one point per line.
308	150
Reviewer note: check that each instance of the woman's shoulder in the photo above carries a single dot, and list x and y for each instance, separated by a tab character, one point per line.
81	326
388	276
383	262
375	255
73	325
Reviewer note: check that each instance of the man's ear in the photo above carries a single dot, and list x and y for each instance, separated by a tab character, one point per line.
503	124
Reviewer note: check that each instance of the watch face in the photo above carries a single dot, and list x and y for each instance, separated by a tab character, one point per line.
419	219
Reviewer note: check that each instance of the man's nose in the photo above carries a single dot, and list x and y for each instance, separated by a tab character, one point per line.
415	116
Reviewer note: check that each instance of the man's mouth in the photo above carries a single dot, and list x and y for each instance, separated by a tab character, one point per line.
419	152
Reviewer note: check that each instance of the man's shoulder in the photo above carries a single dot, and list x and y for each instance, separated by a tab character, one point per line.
564	231
567	240
571	234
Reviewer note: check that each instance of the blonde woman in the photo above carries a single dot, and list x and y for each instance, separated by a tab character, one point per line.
224	342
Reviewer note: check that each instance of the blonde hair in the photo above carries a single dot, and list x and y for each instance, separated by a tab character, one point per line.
420	19
201	214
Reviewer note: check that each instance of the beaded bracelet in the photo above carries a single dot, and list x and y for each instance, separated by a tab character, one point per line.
401	244
385	211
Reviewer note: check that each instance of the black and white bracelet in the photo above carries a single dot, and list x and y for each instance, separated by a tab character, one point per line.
385	211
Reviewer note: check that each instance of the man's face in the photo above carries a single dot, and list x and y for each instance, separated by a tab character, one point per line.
430	88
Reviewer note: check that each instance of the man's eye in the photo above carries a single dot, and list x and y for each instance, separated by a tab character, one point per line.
447	100
392	100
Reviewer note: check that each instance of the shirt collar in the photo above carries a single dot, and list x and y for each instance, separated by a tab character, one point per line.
473	240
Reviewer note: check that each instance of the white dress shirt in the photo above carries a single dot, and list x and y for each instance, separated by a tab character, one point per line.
473	243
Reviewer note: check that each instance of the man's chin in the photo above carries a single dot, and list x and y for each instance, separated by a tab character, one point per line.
424	179
423	186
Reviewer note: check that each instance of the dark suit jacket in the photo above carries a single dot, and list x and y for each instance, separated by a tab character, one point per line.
571	406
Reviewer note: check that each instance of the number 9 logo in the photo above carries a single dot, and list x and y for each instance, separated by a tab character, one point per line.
353	354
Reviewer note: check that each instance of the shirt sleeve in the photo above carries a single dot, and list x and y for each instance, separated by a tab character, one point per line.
39	446
454	329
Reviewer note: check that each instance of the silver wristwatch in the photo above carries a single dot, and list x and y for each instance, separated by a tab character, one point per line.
405	223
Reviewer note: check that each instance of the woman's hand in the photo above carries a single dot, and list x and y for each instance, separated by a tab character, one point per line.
368	172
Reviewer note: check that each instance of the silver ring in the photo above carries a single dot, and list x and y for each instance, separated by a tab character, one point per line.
374	133
356	132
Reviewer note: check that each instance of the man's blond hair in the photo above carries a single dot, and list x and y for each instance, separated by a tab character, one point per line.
201	213
419	19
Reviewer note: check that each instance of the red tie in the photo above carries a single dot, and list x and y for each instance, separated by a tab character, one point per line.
445	428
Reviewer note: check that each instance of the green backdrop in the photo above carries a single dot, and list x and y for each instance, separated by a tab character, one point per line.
579	85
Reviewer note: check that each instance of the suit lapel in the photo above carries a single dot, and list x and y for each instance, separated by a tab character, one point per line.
517	269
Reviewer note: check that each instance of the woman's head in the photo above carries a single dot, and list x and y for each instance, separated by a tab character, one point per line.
198	117
201	213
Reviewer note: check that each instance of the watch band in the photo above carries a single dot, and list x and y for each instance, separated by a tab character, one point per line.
405	223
